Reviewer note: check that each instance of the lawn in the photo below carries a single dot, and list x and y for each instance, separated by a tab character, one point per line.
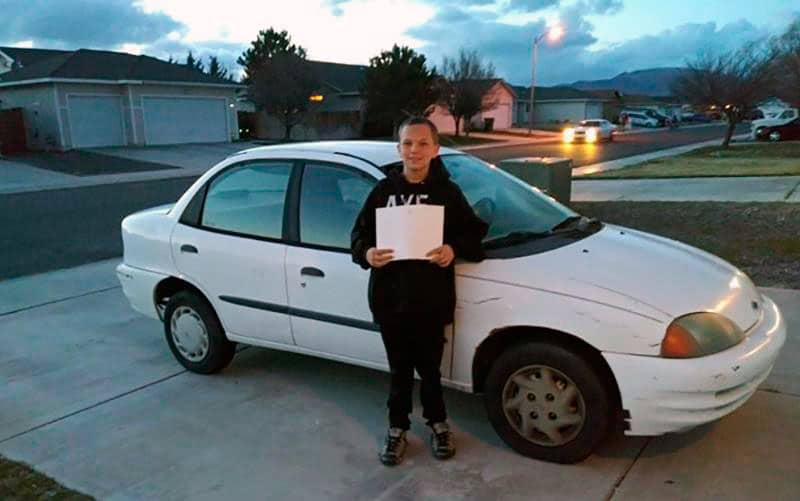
451	140
761	159
18	482
761	239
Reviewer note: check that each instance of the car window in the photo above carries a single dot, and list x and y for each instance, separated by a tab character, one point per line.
507	204
787	114
248	199
330	199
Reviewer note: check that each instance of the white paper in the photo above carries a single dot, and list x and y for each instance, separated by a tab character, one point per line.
410	230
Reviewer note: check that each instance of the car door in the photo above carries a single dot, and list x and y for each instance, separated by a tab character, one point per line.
230	244
327	291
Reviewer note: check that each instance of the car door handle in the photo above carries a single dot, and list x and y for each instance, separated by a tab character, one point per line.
191	249
313	272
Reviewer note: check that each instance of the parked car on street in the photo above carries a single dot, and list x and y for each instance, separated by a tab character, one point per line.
784	132
639	119
569	327
590	131
776	118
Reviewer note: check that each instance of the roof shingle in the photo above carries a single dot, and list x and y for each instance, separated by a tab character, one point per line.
89	64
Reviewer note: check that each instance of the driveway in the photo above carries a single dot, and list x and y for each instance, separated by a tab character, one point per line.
94	399
200	156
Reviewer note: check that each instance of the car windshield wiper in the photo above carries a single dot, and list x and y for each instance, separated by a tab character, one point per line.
515	237
581	223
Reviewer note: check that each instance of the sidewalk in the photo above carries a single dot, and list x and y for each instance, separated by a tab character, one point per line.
93	398
717	189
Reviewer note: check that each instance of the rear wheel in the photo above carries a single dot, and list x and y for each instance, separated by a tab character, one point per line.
548	402
195	335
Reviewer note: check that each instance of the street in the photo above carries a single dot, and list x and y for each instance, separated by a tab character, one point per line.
623	146
55	229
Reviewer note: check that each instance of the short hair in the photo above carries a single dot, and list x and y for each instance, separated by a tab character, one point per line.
417	120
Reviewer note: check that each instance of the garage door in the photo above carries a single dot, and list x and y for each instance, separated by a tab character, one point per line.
173	120
95	121
594	110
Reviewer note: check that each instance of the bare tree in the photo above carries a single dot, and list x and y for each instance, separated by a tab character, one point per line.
282	86
787	64
463	86
734	81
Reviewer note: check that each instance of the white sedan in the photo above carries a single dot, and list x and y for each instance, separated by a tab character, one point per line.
569	327
590	131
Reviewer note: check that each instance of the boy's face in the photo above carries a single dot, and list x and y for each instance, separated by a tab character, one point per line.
417	147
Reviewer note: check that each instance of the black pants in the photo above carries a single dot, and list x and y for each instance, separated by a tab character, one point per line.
414	343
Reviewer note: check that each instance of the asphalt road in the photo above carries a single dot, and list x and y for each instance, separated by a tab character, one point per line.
623	146
57	229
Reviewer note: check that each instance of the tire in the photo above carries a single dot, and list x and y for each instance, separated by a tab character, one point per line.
774	136
198	343
584	418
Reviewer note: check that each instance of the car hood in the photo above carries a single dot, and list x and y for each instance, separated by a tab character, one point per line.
636	271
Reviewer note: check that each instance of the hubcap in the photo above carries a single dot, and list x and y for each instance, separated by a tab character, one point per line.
189	334
543	405
775	136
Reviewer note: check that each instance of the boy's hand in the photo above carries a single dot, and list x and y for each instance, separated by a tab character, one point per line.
442	256
378	258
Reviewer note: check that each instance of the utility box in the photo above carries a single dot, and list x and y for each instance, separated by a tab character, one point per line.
550	174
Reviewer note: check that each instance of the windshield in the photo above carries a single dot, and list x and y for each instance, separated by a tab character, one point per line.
506	203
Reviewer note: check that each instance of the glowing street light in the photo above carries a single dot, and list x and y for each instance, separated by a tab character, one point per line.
553	35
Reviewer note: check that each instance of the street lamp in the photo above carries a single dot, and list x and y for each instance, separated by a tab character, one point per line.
553	35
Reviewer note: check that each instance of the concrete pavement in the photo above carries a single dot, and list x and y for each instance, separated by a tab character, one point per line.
94	399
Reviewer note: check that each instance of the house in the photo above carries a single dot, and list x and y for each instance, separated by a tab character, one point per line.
337	109
555	105
89	98
615	101
498	97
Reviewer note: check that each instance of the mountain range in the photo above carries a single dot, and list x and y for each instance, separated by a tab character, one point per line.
649	82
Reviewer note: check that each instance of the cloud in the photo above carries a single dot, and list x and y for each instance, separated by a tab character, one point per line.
530	5
83	23
508	47
605	6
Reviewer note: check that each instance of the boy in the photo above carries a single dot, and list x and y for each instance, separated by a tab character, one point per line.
413	300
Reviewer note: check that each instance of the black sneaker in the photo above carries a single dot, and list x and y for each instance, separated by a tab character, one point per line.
394	447
442	443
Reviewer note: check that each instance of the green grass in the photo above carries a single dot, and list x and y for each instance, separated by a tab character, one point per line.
19	482
763	159
450	140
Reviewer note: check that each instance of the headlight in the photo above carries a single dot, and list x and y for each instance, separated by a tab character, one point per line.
700	334
591	135
569	135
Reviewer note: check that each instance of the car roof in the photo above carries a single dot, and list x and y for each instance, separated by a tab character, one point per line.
378	153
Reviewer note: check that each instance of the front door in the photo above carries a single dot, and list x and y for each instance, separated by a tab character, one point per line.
235	252
327	291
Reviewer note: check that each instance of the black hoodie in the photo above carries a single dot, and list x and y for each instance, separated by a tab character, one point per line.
417	286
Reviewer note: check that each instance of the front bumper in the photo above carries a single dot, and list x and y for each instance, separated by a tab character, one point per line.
668	395
139	287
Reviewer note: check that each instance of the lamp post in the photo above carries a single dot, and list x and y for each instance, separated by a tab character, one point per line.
553	34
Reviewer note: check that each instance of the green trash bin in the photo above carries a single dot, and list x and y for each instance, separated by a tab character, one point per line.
550	174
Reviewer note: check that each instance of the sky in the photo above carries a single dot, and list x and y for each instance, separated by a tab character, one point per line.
602	38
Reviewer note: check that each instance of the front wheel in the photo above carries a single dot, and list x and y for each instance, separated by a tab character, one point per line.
774	136
547	402
195	335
